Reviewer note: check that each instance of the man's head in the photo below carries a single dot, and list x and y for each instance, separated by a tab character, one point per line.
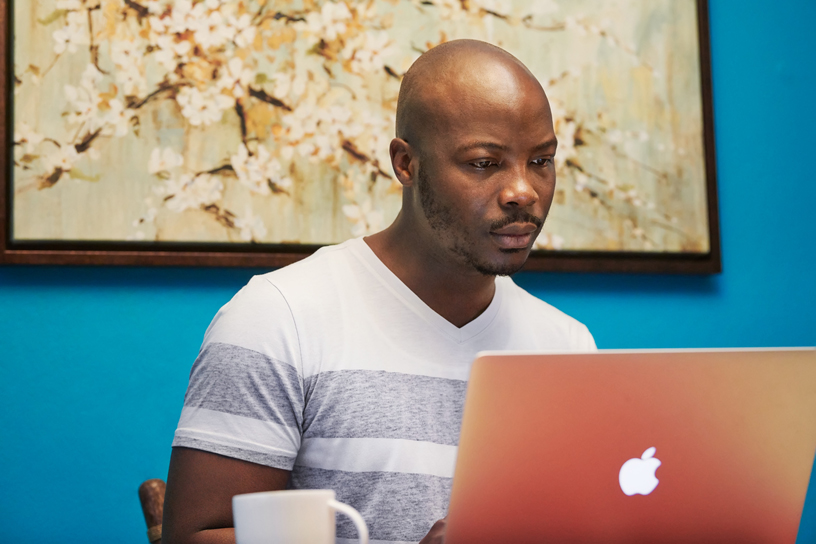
474	151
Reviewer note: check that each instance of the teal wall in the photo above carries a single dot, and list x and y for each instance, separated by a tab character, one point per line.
94	361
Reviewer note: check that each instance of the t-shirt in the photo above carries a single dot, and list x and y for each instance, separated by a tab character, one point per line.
334	369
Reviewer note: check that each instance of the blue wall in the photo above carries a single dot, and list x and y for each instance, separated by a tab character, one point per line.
94	361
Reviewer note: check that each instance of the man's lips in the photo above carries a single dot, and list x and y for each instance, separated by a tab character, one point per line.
515	235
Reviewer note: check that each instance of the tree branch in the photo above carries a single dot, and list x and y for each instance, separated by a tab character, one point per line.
352	150
135	104
239	109
94	48
218	170
83	146
52	180
222	216
140	10
260	94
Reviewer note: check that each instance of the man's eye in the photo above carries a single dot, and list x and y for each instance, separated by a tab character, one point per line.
544	161
481	165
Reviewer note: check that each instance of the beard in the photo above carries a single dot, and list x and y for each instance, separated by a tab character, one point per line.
443	220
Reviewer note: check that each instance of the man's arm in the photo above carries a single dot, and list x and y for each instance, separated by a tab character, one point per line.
200	487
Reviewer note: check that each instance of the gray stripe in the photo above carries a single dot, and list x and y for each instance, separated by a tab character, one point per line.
242	382
404	506
266	459
379	404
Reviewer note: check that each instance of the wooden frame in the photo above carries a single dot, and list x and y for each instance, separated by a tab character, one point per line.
275	255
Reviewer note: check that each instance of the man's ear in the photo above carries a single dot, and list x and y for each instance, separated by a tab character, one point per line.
402	160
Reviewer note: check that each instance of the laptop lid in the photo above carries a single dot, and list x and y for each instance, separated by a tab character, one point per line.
641	446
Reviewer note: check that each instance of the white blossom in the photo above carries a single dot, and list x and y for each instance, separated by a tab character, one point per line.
203	107
244	30
171	53
85	99
28	136
565	132
236	77
364	217
64	158
328	23
252	226
548	241
162	160
72	35
189	192
368	51
259	172
118	120
127	57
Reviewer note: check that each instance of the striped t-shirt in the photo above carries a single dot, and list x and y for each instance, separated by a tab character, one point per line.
334	369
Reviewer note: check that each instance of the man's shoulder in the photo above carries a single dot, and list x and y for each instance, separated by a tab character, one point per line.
273	298
318	269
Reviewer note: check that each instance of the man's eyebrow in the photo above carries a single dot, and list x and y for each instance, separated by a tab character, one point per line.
493	145
482	145
549	143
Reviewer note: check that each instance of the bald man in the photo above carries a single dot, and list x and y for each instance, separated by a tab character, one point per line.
348	370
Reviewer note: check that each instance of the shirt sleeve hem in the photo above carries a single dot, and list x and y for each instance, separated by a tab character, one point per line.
259	458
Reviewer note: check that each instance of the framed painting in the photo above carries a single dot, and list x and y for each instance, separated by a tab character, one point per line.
251	132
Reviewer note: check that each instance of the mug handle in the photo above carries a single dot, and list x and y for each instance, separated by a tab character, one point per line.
354	515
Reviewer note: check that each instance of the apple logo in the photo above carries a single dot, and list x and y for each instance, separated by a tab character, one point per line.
637	475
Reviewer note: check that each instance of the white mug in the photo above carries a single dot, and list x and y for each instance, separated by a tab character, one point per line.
300	516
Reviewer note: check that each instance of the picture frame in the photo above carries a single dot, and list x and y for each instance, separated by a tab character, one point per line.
29	250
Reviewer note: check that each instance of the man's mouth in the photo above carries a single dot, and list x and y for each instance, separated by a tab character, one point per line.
515	235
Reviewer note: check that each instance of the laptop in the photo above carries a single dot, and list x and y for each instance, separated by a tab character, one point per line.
635	446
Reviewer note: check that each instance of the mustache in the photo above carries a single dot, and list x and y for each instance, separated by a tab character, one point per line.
519	216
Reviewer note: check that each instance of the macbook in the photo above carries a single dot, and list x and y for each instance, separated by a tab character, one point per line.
635	446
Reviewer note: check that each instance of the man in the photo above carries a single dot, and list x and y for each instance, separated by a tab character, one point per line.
348	370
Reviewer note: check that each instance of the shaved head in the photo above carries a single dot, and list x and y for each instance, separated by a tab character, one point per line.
455	74
474	152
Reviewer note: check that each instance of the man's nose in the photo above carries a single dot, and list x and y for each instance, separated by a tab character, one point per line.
517	190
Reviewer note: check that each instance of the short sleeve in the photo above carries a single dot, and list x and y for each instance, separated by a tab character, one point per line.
245	396
582	338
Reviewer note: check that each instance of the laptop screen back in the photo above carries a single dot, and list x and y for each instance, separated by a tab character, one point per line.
718	447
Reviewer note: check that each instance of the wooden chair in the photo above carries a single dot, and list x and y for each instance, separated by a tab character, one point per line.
151	495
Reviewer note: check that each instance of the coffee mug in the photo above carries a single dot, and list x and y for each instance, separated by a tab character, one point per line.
301	516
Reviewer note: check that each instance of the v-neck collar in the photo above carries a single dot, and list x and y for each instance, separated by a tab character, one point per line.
361	250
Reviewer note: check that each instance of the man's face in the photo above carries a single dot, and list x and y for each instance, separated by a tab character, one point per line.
487	179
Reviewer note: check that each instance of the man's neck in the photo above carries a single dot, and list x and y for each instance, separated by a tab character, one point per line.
457	293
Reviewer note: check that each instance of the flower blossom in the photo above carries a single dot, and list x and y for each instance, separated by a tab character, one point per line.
162	160
328	23
251	226
127	57
171	52
549	241
28	136
85	98
364	218
63	157
203	107
236	77
260	172
118	119
368	51
72	35
189	192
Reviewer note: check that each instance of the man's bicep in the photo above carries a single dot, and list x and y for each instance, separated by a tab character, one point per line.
200	487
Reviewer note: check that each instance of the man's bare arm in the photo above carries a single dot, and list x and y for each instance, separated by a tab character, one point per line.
200	487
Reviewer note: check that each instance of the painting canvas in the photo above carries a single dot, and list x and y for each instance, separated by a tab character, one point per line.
265	123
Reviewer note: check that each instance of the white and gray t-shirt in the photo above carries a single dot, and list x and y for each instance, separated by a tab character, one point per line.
334	369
